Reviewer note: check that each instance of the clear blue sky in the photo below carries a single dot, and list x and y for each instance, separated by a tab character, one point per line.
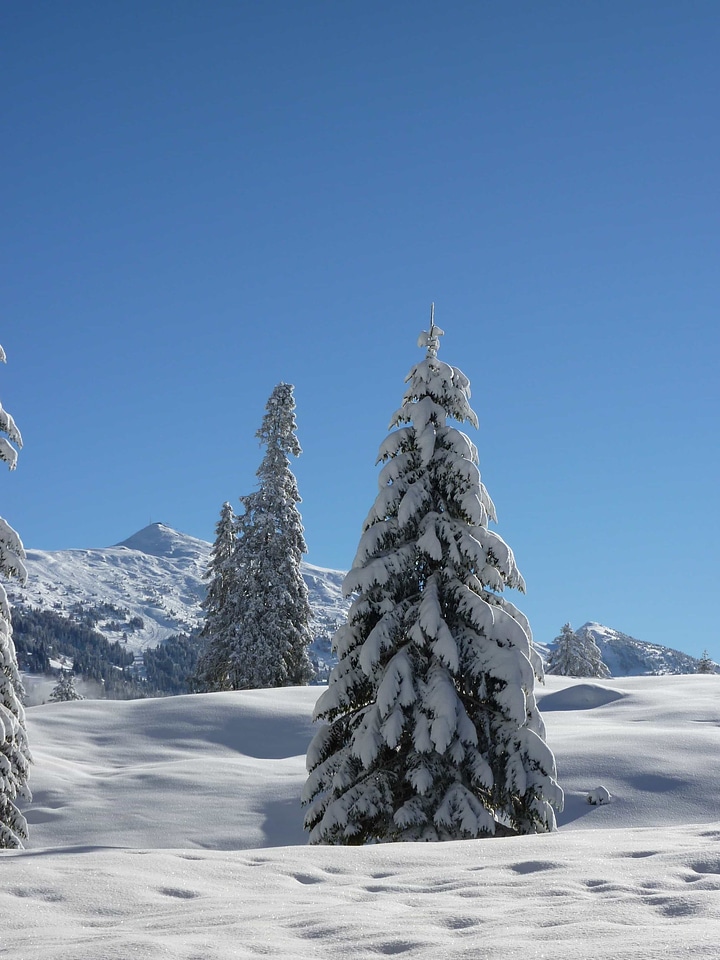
204	198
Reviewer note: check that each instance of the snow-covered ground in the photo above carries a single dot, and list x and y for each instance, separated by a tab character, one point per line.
172	829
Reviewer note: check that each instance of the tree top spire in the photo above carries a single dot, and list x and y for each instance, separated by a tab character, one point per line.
431	338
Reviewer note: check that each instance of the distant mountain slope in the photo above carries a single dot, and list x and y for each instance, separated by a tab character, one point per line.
150	587
627	657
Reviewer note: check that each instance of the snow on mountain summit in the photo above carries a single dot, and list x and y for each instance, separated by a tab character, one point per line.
156	576
159	540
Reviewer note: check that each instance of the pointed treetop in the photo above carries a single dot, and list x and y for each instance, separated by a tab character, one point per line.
431	338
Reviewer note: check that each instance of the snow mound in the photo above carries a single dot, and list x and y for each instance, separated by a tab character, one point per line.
580	696
599	795
225	771
220	771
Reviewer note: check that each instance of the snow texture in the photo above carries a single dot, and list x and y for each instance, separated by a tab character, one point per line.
173	829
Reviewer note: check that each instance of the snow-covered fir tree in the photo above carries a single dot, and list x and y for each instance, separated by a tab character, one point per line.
273	610
213	667
430	726
64	690
14	750
705	664
263	632
576	655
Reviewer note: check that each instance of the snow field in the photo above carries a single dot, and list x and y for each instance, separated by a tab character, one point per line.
586	895
172	829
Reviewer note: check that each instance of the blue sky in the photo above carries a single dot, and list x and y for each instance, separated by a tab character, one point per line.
203	199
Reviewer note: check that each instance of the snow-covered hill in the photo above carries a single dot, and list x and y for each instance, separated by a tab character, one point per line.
155	576
172	829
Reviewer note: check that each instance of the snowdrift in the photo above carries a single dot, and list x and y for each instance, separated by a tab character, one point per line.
172	829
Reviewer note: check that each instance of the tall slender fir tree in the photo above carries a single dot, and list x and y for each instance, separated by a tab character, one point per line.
257	610
272	606
212	670
431	730
576	655
14	750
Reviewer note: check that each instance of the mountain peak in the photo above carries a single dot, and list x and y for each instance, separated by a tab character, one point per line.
159	540
626	656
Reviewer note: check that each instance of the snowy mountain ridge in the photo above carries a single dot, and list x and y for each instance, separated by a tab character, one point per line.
156	577
626	657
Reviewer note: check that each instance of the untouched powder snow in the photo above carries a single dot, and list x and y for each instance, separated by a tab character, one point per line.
172	829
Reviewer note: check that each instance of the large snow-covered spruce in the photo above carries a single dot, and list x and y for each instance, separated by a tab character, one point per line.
14	750
431	730
576	655
261	634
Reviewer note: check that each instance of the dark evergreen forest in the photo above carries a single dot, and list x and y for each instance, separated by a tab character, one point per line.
44	635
